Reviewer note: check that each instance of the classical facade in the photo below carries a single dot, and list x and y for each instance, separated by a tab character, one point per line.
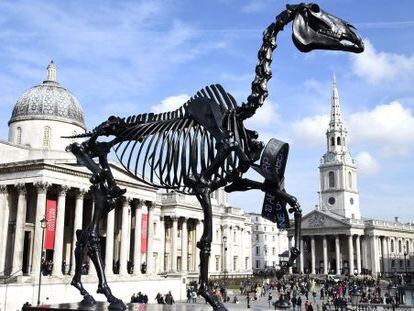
148	242
335	238
268	242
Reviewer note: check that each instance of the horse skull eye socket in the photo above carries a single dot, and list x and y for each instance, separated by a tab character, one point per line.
315	8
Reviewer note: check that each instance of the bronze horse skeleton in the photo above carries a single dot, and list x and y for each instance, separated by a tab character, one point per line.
203	146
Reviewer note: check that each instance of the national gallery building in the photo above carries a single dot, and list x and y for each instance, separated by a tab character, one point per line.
336	239
148	242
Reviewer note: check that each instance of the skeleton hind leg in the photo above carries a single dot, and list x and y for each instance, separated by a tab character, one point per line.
79	255
204	245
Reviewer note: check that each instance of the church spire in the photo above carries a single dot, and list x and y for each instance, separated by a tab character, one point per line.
51	73
336	119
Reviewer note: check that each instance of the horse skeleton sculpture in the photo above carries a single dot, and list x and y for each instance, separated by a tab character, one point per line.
203	146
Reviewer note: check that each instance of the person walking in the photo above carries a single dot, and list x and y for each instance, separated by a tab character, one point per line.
310	307
269	298
169	300
294	301
299	303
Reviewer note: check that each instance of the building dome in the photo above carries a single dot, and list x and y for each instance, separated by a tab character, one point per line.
49	101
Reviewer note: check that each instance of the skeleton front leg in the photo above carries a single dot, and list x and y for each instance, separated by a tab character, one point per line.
244	184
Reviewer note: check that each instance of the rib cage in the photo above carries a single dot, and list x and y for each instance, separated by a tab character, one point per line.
172	146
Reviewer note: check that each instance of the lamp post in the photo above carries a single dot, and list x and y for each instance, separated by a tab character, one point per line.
43	223
224	239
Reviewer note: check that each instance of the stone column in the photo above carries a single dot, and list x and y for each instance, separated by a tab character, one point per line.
41	188
325	255
351	254
173	252
4	224
384	253
199	232
241	255
77	223
358	253
227	256
374	255
19	235
301	256
290	243
338	254
150	235
184	246
109	243
313	270
137	238
161	266
59	231
125	241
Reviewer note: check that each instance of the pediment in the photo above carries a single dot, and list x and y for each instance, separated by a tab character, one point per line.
319	219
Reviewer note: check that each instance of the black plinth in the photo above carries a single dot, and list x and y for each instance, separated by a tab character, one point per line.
76	306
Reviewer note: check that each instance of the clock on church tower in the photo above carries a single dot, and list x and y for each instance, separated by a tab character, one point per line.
338	171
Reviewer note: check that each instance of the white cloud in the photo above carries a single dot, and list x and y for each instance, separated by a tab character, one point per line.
310	130
378	66
366	163
264	116
390	128
387	128
170	103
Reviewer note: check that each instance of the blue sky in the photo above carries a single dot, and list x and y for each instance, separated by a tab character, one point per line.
121	57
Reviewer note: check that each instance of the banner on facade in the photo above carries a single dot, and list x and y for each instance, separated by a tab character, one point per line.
144	233
51	210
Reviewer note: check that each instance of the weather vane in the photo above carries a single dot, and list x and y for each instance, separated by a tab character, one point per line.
204	146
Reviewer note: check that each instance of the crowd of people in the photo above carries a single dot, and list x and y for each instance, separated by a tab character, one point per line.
139	298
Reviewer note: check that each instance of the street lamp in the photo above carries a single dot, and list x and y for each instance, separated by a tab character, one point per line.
224	239
43	223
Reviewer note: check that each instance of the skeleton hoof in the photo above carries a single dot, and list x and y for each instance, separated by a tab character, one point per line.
118	304
88	300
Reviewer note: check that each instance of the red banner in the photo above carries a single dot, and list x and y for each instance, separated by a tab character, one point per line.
144	233
51	209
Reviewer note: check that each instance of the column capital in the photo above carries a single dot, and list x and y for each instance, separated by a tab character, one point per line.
184	219
3	188
80	193
21	188
174	218
138	203
41	186
62	190
150	204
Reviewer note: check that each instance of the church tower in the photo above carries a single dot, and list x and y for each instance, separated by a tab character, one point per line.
338	172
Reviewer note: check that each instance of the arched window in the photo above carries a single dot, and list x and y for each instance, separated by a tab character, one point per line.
46	137
392	246
338	141
350	180
331	179
332	141
399	247
19	135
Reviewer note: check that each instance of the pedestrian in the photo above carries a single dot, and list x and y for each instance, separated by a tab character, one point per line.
194	296
306	305
310	308
188	295
248	300
269	298
299	303
169	300
294	301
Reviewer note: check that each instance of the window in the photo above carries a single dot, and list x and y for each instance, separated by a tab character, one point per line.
273	251
235	263
264	229
257	237
246	263
332	141
257	264
19	135
392	246
338	141
265	237
331	176
217	263
46	137
350	180
257	227
155	228
273	238
257	250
